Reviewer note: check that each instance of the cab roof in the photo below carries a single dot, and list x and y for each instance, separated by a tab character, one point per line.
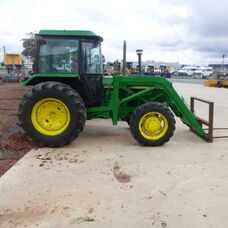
80	33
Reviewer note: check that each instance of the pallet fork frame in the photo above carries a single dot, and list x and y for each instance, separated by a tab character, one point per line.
209	123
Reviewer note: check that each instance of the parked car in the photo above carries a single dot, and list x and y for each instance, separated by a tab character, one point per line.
187	71
10	78
203	72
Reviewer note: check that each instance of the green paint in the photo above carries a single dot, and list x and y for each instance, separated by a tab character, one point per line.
136	95
123	94
29	81
124	89
107	81
118	105
80	33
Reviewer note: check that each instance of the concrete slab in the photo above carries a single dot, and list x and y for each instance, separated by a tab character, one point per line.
105	179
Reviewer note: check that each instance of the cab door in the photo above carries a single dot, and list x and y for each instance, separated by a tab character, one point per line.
92	69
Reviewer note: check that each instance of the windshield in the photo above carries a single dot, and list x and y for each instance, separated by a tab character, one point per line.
91	57
58	56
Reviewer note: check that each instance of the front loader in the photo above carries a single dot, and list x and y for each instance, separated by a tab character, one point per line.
69	87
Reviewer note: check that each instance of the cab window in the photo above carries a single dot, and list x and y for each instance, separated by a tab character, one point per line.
91	57
58	56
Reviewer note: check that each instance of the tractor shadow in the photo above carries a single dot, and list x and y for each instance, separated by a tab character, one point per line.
101	131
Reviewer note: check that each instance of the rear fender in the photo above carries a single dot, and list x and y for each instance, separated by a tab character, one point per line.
37	78
73	80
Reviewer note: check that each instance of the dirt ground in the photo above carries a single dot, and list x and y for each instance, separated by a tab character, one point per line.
105	179
13	143
10	94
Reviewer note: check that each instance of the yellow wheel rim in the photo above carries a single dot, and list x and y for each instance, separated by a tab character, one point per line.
50	116
153	125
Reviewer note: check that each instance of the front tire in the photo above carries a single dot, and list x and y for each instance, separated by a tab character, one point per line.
52	114
152	124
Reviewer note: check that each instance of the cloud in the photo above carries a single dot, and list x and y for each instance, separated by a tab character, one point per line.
168	30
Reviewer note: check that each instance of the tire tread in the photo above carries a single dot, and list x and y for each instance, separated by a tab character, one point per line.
70	95
141	110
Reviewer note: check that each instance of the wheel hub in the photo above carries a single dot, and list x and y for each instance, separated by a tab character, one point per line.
153	125
50	116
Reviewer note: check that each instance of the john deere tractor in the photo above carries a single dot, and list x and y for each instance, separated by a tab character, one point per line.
68	88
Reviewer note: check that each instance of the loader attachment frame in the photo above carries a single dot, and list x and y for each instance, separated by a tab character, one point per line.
145	84
209	123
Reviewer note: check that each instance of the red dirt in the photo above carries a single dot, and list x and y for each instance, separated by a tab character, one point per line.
10	94
121	176
13	143
13	148
6	164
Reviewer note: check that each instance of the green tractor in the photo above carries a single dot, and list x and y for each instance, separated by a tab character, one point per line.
69	87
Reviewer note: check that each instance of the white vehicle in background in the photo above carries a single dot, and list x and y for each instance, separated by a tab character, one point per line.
187	71
203	72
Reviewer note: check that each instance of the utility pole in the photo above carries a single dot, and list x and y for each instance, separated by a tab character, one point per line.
223	57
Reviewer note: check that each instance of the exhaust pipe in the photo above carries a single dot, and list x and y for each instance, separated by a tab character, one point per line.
124	57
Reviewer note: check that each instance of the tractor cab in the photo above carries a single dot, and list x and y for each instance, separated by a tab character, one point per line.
72	54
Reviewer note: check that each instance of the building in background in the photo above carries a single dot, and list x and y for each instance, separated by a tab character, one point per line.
218	66
12	62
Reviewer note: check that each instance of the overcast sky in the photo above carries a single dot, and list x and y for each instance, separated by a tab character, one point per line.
184	31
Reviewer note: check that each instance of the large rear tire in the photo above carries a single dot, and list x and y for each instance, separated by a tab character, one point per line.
152	124
52	114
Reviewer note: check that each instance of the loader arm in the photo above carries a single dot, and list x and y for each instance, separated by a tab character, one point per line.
174	101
